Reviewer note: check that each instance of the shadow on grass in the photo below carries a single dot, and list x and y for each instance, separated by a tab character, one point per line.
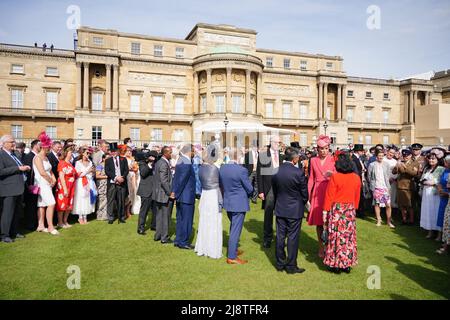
428	279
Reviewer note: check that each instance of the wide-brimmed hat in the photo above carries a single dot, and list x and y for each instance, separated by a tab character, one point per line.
295	144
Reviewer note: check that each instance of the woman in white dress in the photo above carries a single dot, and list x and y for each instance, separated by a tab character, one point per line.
85	188
209	235
430	196
132	182
45	180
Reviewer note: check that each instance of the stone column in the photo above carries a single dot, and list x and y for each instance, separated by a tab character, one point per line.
228	107
429	100
405	107
78	104
108	87
259	102
196	107
115	87
325	100
86	86
319	106
413	120
339	102
344	102
410	107
208	91
248	74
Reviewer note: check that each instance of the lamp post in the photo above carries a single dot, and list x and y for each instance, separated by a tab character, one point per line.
325	126
225	122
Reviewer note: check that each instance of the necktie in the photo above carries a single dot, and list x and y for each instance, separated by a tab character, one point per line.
117	163
276	158
19	164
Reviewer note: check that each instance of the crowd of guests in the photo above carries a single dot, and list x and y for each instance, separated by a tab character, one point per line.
331	188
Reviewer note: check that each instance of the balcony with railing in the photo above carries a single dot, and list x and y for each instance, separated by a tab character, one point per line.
374	125
35	50
154	116
36	113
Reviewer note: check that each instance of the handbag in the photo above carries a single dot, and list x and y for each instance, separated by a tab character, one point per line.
33	189
324	236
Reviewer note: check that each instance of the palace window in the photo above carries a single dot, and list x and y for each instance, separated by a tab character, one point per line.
303	139
179	53
269	62
303	111
179	105
385	116
135	134
135	48
17	98
329	65
203	103
178	135
52	72
98	41
328	113
368	115
80	133
303	65
368	95
96	133
97	101
386	96
52	101
350	139
350	114
368	139
51	131
287	110
158	50
350	93
269	109
220	103
157	134
17	68
287	63
135	103
386	139
237	103
17	131
158	103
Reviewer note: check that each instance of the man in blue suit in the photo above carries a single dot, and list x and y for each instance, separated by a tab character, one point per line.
184	190
291	193
237	190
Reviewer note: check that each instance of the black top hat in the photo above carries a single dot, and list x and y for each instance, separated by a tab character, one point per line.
416	146
295	144
113	146
358	147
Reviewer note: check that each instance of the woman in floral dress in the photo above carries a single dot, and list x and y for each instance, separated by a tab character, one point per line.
339	216
65	188
102	181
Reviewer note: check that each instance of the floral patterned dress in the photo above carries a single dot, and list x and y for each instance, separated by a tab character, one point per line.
102	214
65	203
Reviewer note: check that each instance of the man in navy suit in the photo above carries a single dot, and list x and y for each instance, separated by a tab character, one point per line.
237	190
291	193
184	191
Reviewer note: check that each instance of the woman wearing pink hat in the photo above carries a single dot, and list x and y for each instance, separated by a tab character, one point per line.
321	169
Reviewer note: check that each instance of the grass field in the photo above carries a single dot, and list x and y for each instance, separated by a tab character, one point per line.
117	263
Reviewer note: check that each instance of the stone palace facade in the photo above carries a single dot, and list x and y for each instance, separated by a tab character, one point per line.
116	85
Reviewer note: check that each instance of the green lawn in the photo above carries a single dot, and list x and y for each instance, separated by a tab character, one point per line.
117	263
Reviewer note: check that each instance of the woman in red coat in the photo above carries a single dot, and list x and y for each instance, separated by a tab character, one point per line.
339	216
321	169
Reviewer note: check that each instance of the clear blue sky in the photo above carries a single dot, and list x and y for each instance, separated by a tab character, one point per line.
414	36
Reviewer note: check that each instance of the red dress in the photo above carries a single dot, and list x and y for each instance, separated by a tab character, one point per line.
317	186
70	174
